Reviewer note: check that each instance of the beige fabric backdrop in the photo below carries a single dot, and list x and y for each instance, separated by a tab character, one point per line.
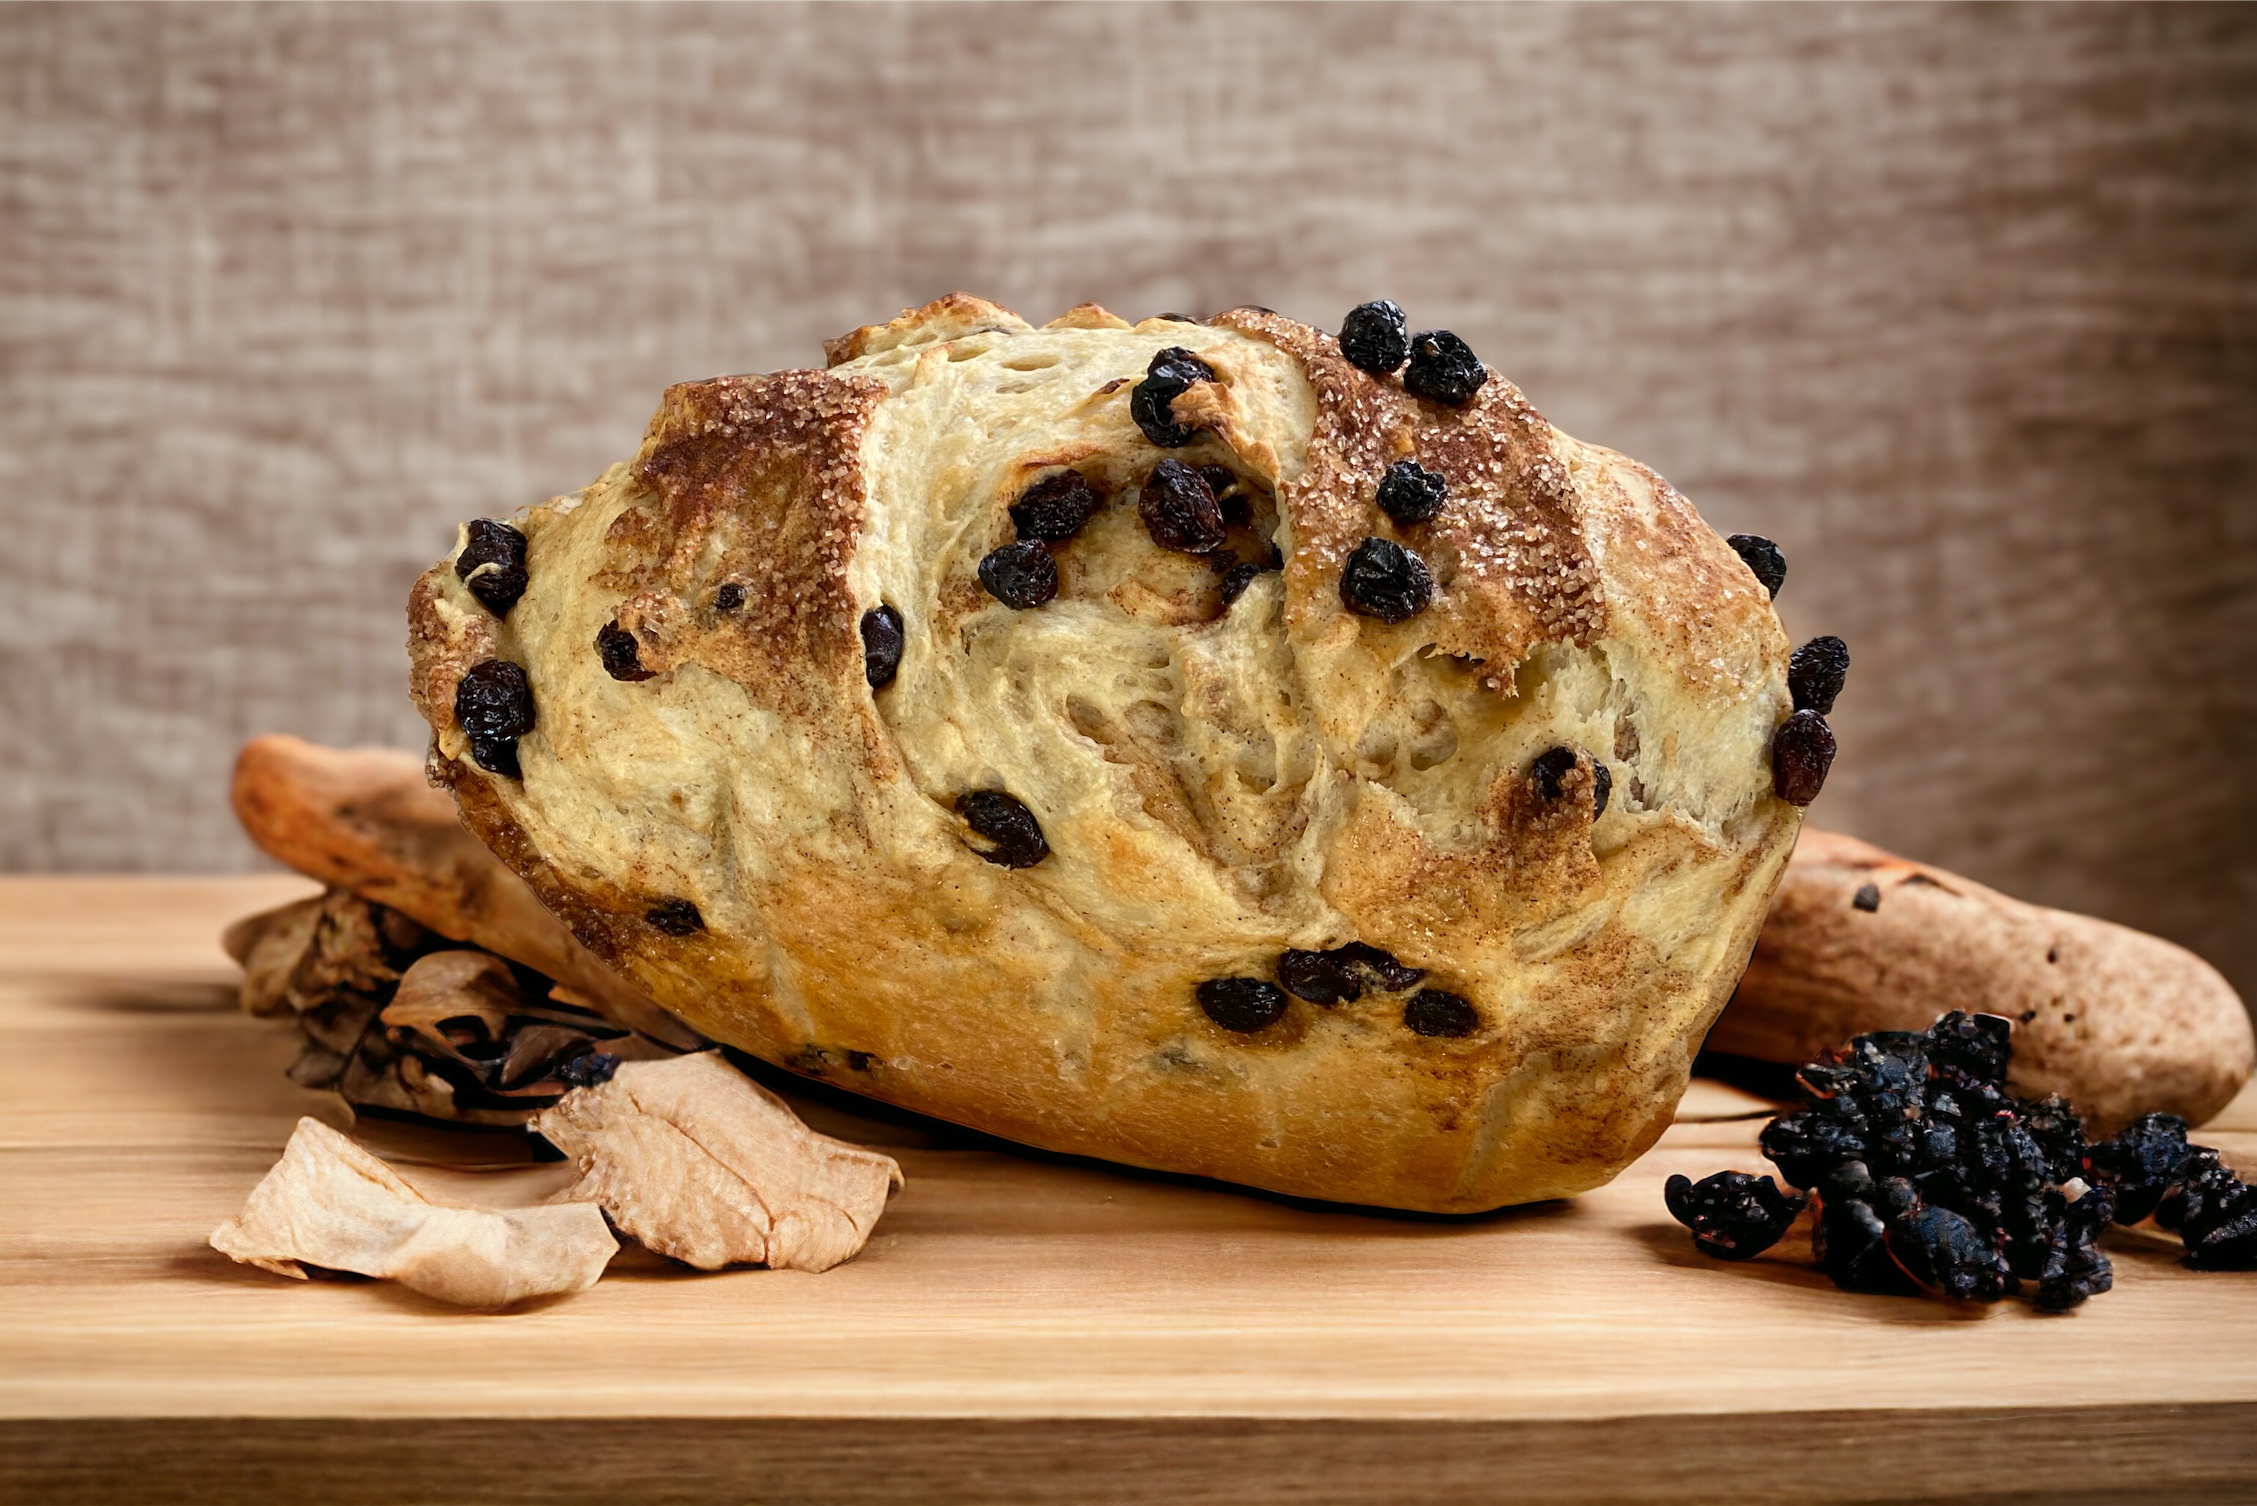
1958	305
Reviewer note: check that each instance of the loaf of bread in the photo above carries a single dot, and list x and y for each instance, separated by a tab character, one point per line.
2118	1022
1097	734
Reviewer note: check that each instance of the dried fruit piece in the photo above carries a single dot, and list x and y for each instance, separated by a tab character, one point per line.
494	708
1021	575
1319	977
1802	750
1015	836
330	1204
676	917
491	563
1242	1004
1602	788
1375	336
702	1164
1763	559
1384	580
1056	507
1410	493
622	660
882	643
729	597
1179	509
1948	1257
1232	495
1433	1011
1239	577
1733	1216
1867	898
1169	376
1816	672
1443	369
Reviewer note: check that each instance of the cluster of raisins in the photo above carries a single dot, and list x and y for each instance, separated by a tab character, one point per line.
1333	977
1024	574
1802	750
1928	1176
1436	365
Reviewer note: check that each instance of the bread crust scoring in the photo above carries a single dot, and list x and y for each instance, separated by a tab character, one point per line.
1217	781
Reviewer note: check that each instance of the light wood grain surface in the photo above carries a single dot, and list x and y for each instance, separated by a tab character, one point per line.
1019	1328
1957	303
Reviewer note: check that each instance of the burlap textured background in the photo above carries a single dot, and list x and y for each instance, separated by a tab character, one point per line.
1958	305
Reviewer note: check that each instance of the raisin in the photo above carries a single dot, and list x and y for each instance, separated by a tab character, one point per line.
1056	507
590	1069
1443	369
1802	750
622	660
1238	578
882	642
1851	1244
1867	898
1550	771
676	917
1386	581
1815	673
1762	557
1602	786
1375	337
492	564
1021	575
1433	1012
1179	511
730	597
1971	1047
1319	977
2142	1162
1733	1216
1241	1004
494	708
1378	966
1947	1256
1170	376
1410	493
1014	836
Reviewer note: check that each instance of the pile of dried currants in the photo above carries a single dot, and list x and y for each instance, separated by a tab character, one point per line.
1928	1176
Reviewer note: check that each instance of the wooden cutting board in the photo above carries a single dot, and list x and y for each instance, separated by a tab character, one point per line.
1020	1328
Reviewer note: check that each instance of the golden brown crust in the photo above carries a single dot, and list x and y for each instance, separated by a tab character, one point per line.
2119	1023
1216	783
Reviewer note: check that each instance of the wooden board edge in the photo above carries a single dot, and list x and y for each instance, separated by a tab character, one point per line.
2197	1453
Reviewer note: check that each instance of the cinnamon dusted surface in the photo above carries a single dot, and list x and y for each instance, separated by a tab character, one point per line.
1011	1318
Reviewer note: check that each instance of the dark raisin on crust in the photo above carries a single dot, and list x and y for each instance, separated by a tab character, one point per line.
1384	580
494	708
1056	507
488	543
1816	672
1802	750
1434	1012
1014	836
1410	493
1549	774
588	1070
1867	898
1443	369
729	597
1375	337
1342	974
1179	510
1733	1216
882	642
676	917
622	660
1241	1004
1020	575
1763	558
1171	374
